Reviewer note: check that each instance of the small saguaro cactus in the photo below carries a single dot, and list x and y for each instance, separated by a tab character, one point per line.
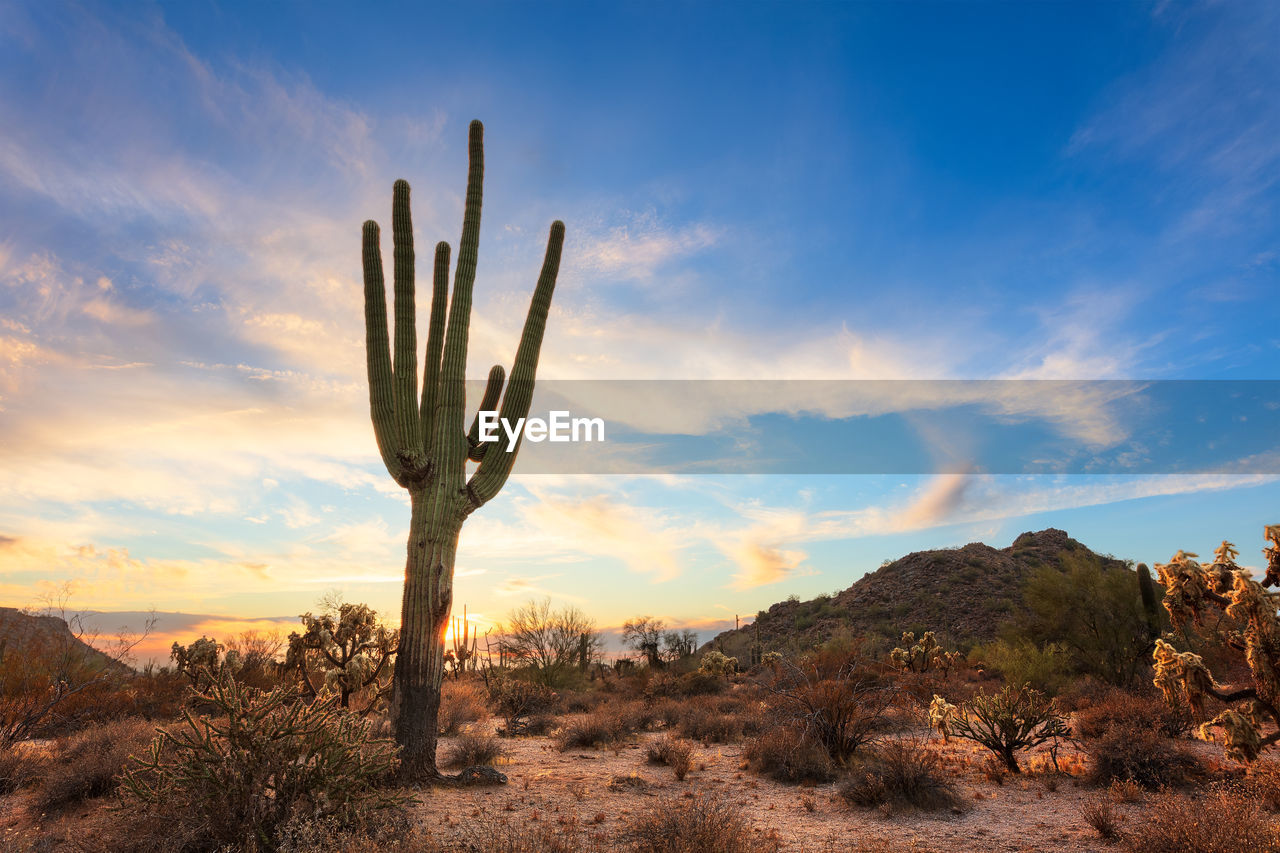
1192	590
424	441
465	645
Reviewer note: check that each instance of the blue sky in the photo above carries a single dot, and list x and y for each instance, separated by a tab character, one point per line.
789	191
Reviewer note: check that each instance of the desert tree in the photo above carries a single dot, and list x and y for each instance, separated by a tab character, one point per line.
644	635
681	644
1105	617
552	642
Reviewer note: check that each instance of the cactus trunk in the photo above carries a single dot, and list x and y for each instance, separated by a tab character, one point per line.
425	444
424	615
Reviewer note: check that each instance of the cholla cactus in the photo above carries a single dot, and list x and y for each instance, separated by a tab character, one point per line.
259	759
200	661
717	663
1008	722
1192	589
771	659
1182	675
923	656
941	713
348	649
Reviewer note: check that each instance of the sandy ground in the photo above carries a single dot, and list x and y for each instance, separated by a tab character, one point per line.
600	791
574	787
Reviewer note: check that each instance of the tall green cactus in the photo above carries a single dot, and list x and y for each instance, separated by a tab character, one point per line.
424	441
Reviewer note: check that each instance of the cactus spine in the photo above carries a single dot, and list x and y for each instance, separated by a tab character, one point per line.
424	441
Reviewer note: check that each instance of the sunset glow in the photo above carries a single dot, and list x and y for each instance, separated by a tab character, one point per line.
861	191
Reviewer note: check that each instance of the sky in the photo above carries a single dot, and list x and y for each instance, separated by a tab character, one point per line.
987	194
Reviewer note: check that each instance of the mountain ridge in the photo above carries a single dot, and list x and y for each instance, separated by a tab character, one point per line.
964	594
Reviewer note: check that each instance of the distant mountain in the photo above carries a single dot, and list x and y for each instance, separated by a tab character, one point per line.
965	595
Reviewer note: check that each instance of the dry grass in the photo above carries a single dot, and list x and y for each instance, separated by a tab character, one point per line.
1101	815
789	755
90	763
699	824
1120	708
461	704
1223	822
674	753
20	766
901	773
605	726
472	749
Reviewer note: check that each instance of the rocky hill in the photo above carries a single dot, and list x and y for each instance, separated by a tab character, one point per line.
964	594
51	639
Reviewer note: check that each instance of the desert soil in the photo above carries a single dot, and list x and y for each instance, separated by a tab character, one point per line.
598	789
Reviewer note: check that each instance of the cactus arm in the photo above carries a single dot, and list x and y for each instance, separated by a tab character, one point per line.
489	403
435	344
378	354
405	366
450	441
497	463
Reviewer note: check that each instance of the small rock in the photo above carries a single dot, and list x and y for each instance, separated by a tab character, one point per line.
481	776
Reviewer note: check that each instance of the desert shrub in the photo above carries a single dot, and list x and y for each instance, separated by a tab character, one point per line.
604	727
90	763
704	723
580	701
471	749
538	725
1102	616
788	754
673	752
383	831
1008	722
20	765
1129	710
487	831
1223	822
52	676
842	711
701	682
1099	813
260	761
669	712
665	685
516	701
1046	667
461	704
156	697
699	824
636	716
901	772
1140	755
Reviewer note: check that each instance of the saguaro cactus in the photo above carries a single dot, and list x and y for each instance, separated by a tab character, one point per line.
424	441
